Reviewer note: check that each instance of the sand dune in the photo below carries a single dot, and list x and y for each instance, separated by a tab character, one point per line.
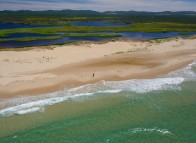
37	71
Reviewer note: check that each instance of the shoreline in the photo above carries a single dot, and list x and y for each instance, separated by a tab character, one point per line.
40	71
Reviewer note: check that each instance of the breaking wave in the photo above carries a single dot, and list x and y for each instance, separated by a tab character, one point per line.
171	81
133	131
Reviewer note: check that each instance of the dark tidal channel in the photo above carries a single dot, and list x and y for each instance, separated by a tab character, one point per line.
11	41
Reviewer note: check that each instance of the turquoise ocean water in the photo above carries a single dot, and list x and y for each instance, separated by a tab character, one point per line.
159	110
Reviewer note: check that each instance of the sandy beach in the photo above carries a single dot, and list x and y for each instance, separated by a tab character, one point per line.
39	70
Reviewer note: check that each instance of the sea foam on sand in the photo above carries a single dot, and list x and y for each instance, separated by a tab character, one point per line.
37	103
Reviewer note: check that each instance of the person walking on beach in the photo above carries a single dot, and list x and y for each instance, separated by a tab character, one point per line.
93	75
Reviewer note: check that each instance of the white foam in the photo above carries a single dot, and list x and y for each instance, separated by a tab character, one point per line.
31	104
146	85
36	105
155	130
78	88
187	72
151	130
110	91
138	86
26	111
190	65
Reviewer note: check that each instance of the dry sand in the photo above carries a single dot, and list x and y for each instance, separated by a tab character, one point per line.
37	71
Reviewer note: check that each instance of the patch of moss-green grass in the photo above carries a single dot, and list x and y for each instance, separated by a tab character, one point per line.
25	39
136	27
91	35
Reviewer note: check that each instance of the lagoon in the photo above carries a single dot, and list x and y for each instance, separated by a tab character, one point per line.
18	25
98	24
15	40
63	40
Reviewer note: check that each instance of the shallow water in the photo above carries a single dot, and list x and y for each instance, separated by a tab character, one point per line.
149	110
18	44
13	26
154	35
63	40
131	35
98	24
22	35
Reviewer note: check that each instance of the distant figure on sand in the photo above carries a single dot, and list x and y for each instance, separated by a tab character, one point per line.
93	75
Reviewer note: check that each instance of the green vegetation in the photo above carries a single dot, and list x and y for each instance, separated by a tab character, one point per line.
138	27
90	35
24	39
27	48
60	23
67	16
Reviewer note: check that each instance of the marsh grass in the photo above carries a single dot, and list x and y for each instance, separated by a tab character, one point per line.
25	39
137	27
